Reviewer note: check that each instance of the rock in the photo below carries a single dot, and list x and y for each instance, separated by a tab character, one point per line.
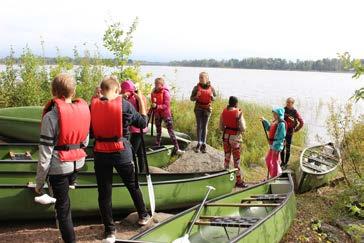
132	218
191	161
157	218
332	233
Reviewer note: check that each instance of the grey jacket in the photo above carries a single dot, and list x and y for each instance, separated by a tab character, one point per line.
194	98
49	163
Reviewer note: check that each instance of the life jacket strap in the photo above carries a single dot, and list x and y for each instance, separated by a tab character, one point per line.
112	139
68	147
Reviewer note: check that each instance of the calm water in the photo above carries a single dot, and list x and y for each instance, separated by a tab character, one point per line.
312	90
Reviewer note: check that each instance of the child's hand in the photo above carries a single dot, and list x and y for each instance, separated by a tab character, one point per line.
154	105
261	118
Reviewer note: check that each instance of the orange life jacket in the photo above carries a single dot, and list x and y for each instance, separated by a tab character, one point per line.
230	120
204	100
273	130
157	97
107	125
74	125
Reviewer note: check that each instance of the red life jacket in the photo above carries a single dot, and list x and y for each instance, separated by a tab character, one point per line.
157	97
230	120
273	130
290	116
204	100
107	124
134	102
74	125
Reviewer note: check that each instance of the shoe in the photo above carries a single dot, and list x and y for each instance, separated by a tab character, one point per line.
241	184
203	148
72	186
180	152
144	221
109	238
197	148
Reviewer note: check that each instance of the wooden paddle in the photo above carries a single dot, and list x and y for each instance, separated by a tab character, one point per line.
184	239
266	135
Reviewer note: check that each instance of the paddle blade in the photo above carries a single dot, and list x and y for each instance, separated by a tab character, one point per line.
151	194
183	239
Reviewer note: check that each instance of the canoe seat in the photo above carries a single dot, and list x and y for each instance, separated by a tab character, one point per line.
320	161
243	205
20	156
313	167
269	197
228	221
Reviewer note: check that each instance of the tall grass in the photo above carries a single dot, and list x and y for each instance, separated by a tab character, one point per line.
254	144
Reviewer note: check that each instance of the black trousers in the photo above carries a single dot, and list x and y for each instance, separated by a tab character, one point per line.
286	152
136	142
104	164
60	186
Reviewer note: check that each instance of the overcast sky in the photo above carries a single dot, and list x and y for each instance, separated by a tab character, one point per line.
187	29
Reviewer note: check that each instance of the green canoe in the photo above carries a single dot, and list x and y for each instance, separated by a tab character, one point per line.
23	157
171	191
318	166
262	213
22	123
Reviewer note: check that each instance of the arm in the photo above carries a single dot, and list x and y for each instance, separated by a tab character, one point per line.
194	94
46	147
279	137
242	123
266	124
136	119
300	121
221	124
213	93
142	103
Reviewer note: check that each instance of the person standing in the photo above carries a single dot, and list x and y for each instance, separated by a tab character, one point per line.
232	124
161	106
128	90
294	123
64	135
276	135
203	94
111	116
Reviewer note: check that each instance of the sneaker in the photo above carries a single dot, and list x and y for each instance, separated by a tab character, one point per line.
197	148
180	152
203	148
72	186
109	238
241	184
144	221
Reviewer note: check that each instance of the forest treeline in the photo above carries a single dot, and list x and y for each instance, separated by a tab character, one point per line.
323	65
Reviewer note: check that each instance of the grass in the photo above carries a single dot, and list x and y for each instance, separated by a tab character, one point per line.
254	144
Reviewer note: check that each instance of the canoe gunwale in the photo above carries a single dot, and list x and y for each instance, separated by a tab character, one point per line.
260	222
193	179
303	168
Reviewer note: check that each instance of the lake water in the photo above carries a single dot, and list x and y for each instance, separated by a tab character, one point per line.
312	90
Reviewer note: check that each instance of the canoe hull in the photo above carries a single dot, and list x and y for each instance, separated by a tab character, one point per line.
312	176
275	224
157	157
171	192
23	124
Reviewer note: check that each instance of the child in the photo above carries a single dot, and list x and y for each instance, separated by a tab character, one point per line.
64	135
294	124
203	94
232	124
277	133
161	107
128	90
111	117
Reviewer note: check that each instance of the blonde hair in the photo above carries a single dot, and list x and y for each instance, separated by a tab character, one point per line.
160	80
63	86
205	74
109	82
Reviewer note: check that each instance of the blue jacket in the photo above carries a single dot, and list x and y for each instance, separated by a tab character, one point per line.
280	135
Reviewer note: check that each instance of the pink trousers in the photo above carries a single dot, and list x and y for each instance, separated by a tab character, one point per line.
273	161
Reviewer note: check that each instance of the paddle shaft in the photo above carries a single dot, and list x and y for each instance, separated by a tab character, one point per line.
199	210
266	135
